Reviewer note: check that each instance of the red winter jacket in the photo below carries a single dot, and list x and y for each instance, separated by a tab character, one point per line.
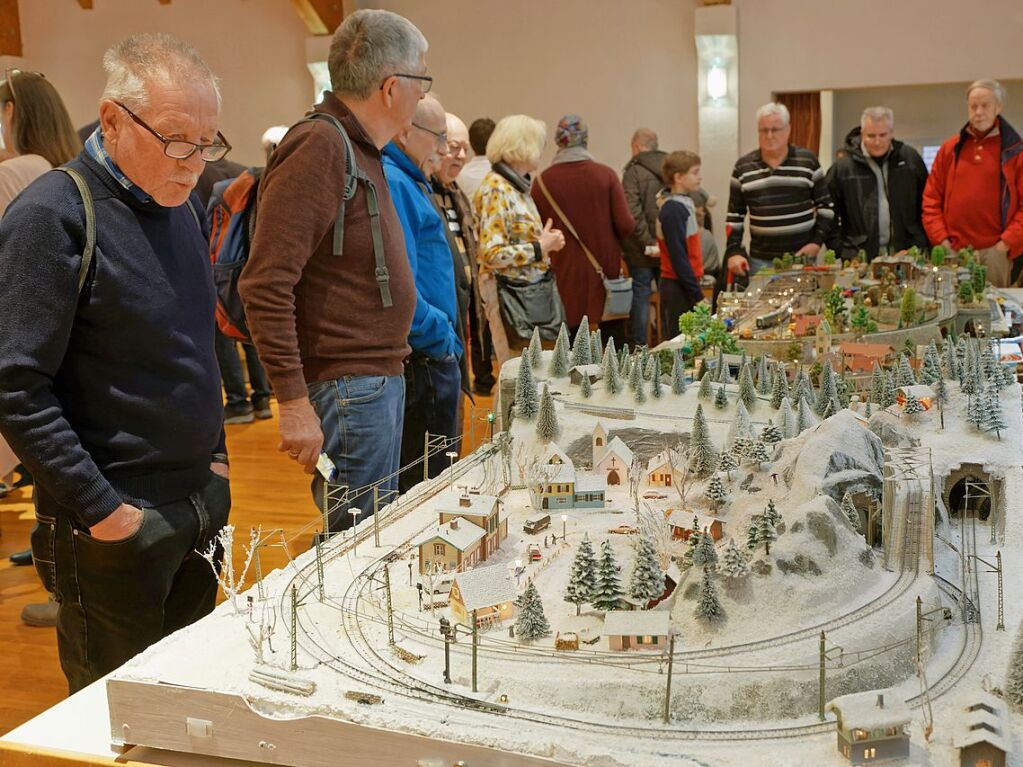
938	192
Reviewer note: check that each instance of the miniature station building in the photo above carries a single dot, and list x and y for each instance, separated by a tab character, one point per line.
470	529
490	591
681	523
981	732
872	726
637	629
565	488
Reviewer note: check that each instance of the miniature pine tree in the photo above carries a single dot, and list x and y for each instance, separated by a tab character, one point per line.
941	398
561	360
742	449
950	361
531	623
582	581
721	399
753	533
547	419
708	608
988	362
905	375
1014	677
581	345
636	375
805	418
771	512
722	368
596	346
705	555
889	390
701	452
640	389
535	349
650	368
766	532
734	562
877	386
780	390
931	371
704	391
993	418
728	464
647	581
527	402
716	492
771	435
623	354
742	425
975	408
849	510
609	588
787	419
586	387
611	377
763	376
678	376
912	406
656	389
759	453
747	391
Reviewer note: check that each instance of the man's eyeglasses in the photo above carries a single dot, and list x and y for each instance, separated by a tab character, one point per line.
425	81
440	136
13	72
771	131
179	149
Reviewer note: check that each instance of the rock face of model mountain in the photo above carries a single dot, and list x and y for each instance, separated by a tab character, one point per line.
839	455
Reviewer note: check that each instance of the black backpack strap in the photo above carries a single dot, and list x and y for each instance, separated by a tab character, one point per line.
353	175
90	224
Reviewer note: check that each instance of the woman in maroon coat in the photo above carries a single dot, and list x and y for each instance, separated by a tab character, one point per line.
592	198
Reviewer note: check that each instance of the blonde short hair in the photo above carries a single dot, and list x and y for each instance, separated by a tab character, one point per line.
517	138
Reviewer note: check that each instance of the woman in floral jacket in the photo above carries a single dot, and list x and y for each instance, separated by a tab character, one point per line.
512	240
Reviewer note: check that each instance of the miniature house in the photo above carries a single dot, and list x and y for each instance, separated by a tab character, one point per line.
860	358
981	733
567	489
555	455
450	547
822	337
484	511
922	392
490	591
614	462
659	471
598	442
871	726
681	524
593	372
804	324
637	629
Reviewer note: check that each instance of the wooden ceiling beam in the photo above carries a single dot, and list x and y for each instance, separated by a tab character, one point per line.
85	5
10	28
322	17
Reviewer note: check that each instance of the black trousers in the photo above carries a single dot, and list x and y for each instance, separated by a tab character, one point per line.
433	389
675	302
481	348
118	598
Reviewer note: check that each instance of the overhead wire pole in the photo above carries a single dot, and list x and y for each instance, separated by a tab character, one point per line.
825	656
667	689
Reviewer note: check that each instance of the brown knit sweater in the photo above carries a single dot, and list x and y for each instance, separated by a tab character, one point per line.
315	316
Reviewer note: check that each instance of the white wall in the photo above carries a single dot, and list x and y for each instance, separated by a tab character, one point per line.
621	65
256	47
797	45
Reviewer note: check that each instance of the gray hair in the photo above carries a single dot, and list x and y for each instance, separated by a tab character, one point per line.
137	62
369	46
774	109
992	85
877	114
645	138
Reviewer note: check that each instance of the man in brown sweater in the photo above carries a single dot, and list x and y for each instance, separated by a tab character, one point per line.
331	339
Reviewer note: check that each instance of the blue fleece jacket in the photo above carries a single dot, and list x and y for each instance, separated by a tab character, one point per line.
434	324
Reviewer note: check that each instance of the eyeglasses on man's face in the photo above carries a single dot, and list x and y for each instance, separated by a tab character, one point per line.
179	149
425	81
441	137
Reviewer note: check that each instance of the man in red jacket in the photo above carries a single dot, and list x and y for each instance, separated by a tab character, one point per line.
973	194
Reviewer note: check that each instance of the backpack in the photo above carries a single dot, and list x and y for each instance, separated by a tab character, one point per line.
232	217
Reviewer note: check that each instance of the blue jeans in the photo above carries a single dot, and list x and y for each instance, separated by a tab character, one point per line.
231	371
639	316
433	391
361	418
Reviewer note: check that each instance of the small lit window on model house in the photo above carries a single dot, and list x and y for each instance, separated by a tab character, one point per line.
438	549
645	639
869	753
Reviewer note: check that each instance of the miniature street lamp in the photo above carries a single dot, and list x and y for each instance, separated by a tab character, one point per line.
355	518
491	418
452	455
564	523
445	631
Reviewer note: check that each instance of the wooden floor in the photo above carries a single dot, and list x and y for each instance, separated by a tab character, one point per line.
267	489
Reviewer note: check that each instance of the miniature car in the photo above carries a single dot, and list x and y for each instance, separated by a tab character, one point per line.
533	552
624	530
652	495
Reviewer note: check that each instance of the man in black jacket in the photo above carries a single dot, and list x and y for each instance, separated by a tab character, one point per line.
877	189
642	181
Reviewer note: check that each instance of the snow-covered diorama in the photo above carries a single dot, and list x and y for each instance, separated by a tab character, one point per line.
651	565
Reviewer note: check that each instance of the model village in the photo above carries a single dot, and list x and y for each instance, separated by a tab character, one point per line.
786	521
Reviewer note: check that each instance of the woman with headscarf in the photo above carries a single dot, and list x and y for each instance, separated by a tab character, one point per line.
591	197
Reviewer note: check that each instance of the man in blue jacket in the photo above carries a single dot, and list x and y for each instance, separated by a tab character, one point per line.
432	377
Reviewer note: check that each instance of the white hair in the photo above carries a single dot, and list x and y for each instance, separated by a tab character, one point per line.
877	114
992	85
140	61
369	46
774	109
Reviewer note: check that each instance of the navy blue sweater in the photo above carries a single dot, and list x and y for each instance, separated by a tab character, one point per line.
113	396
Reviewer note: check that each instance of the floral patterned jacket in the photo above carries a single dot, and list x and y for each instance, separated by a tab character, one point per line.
508	230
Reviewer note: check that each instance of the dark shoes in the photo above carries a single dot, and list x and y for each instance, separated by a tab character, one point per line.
24	478
240	413
21	557
261	408
43	615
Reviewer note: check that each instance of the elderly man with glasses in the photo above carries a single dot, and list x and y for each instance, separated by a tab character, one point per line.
783	190
109	389
331	321
433	378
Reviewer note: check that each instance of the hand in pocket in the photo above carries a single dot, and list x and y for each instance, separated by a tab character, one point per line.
122	523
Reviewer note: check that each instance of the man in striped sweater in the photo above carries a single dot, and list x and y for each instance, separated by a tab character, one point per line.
782	187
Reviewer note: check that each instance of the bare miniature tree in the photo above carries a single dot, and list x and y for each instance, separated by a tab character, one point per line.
230	583
258	636
654	528
679	465
538	475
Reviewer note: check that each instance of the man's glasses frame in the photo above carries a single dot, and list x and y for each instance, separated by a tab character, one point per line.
179	149
425	81
440	136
